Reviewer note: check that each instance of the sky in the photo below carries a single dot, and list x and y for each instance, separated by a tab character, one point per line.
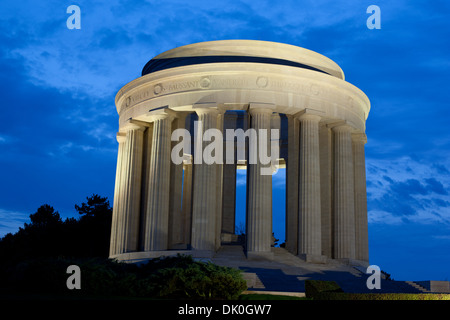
58	118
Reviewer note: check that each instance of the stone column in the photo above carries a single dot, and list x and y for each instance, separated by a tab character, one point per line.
187	201
326	188
176	226
148	138
361	232
229	181
292	185
219	186
157	219
129	191
259	191
309	220
118	199
203	236
344	204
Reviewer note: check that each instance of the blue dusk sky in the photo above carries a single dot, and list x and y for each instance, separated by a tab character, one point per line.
58	118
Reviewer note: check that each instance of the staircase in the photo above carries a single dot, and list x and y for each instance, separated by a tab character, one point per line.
417	286
287	273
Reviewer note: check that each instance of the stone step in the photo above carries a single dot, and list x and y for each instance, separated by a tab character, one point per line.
417	286
253	281
287	273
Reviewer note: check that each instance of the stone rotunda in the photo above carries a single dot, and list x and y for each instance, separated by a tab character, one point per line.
163	207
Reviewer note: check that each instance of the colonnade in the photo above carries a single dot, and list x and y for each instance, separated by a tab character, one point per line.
161	206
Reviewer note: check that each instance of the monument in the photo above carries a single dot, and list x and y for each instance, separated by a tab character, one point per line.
162	207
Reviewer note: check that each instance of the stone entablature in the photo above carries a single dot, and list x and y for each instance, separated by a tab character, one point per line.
234	85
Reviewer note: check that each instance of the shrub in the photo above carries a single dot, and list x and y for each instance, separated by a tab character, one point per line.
170	278
315	288
182	277
330	290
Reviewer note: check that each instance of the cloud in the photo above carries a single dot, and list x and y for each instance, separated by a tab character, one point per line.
403	189
11	220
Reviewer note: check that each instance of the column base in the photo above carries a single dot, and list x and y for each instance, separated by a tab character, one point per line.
313	258
144	256
178	246
229	238
260	255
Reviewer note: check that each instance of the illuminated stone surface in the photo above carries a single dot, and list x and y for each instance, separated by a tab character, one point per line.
160	209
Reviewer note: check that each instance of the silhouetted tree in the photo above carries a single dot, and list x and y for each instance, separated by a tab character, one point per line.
47	235
95	222
95	206
44	216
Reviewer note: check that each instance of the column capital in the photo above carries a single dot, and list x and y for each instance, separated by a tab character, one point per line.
308	114
359	136
340	126
207	108
161	113
133	125
258	108
121	137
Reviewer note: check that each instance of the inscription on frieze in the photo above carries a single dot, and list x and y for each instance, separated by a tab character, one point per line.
229	83
208	82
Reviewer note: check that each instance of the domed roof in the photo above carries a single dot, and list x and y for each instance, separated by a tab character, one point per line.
243	51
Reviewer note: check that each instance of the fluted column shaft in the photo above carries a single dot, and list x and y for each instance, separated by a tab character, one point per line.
292	183
118	196
309	221
127	204
176	223
203	236
187	202
361	228
344	205
157	219
259	194
219	188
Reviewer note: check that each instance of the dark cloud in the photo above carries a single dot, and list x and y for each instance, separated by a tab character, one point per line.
441	169
435	186
48	155
405	198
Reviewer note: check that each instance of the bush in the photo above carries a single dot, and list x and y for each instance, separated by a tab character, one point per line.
330	290
315	288
182	277
169	278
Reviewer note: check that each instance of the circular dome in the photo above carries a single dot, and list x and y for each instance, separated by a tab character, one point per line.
243	51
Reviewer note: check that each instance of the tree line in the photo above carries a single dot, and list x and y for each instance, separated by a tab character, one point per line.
48	235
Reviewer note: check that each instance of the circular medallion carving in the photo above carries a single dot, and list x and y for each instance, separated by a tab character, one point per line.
205	82
157	89
315	89
262	82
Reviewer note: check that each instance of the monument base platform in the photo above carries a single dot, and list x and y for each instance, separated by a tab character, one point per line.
143	256
259	255
313	258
